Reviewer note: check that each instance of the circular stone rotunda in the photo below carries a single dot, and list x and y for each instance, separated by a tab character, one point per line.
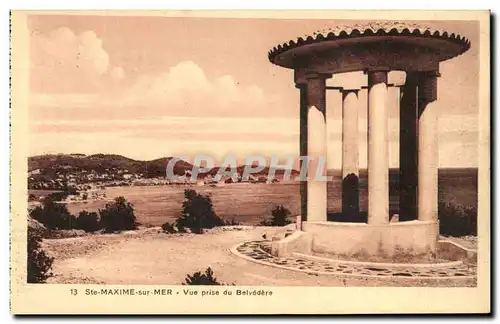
375	246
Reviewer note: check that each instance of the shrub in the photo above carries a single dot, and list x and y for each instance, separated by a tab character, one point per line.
232	222
54	215
118	216
279	217
197	212
172	228
39	264
199	278
58	196
167	228
88	221
457	220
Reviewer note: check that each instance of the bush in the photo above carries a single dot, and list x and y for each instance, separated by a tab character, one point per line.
58	196
172	228
457	220
39	264
118	216
61	195
279	217
88	221
199	278
54	215
232	222
197	212
168	228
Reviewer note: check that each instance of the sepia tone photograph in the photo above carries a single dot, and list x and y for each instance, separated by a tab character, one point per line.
252	152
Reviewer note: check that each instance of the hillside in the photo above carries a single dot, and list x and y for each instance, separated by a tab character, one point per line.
52	163
102	162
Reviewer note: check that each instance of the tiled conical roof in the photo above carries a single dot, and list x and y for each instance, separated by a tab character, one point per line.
384	28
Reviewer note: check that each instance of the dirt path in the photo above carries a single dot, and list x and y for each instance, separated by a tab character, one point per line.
149	257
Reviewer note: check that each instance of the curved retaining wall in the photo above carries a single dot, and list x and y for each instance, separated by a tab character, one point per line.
411	237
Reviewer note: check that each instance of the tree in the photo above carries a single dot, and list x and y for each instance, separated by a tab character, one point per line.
206	278
39	264
88	221
279	217
197	212
118	216
54	215
456	219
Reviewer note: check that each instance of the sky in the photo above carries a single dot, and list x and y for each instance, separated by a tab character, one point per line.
149	87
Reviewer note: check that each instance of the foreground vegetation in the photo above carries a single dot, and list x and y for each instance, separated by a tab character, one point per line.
39	264
198	214
457	220
199	278
279	217
115	216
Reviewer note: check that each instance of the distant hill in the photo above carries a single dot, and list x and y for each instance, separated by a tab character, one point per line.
102	162
51	163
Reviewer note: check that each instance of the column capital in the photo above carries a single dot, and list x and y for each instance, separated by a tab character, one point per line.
420	76
377	69
377	76
302	76
316	75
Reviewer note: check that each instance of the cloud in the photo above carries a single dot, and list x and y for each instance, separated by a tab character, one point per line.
72	76
62	61
183	90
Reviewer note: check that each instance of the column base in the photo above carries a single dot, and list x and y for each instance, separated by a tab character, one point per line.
402	238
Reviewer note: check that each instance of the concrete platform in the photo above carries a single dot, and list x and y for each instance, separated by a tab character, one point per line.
339	238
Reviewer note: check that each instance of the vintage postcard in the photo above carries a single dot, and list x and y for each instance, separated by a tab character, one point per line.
272	162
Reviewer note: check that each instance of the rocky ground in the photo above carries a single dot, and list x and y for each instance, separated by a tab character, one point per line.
149	256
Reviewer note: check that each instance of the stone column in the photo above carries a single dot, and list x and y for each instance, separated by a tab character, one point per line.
378	148
316	147
303	149
428	152
350	155
408	149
